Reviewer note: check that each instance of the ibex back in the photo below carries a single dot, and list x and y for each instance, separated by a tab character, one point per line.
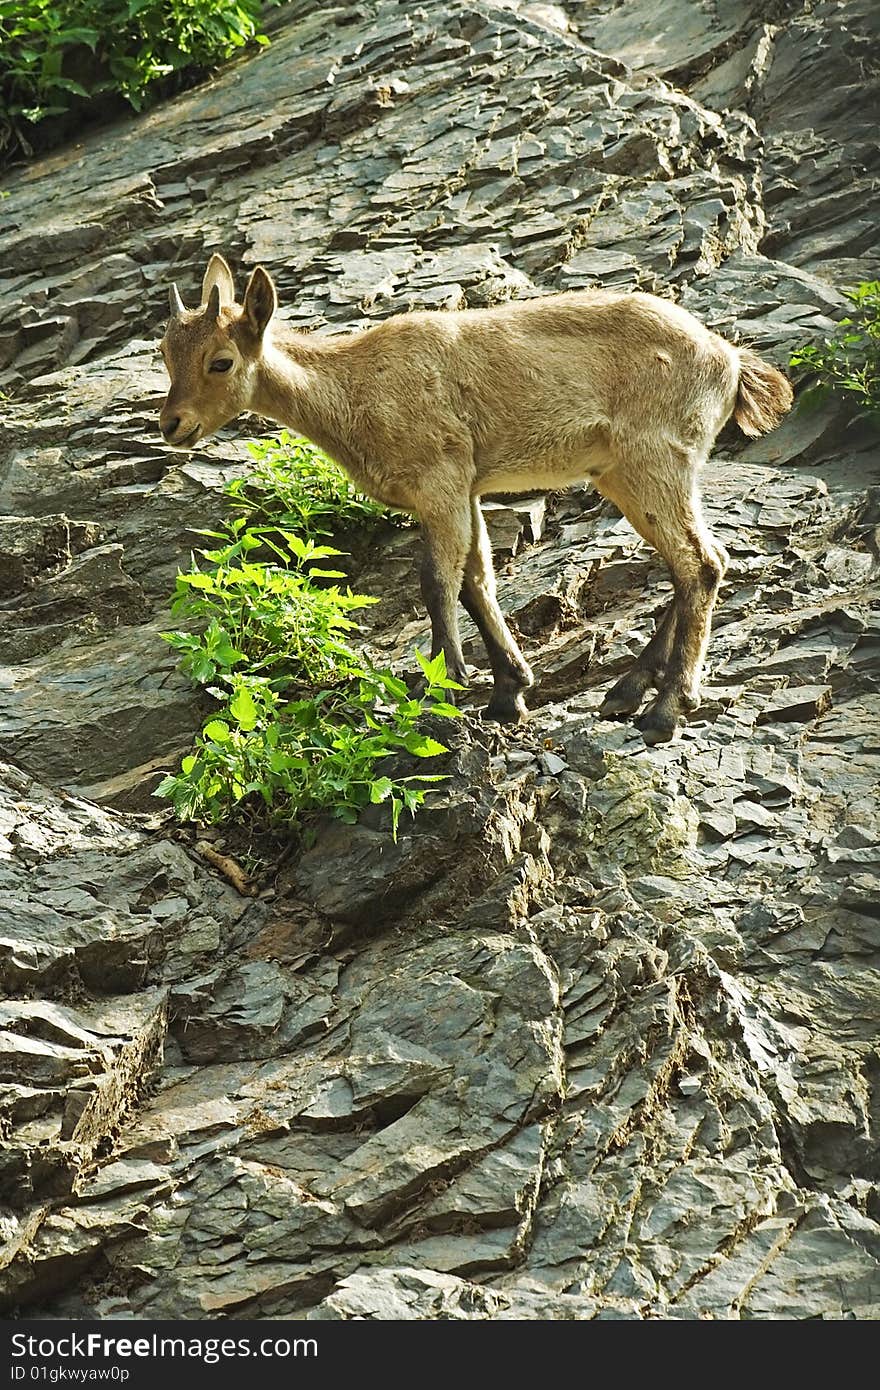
429	411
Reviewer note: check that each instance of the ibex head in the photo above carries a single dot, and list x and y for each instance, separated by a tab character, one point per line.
212	353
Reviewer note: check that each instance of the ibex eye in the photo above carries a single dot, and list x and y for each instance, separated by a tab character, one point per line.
222	364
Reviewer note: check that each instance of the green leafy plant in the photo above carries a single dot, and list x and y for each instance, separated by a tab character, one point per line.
303	723
57	55
850	361
295	485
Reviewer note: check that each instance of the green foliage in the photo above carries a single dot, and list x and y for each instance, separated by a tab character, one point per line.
276	615
55	54
304	723
294	485
850	361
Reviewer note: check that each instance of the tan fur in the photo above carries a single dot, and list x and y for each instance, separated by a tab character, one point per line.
764	396
429	411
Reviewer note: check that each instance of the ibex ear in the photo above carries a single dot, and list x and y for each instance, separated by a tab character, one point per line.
212	308
219	274
260	300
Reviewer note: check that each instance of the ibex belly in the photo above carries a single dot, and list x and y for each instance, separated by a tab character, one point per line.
546	473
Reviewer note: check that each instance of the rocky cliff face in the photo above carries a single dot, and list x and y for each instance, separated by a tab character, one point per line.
598	1036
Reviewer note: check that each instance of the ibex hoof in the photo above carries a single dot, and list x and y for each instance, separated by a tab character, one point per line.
506	708
658	733
620	702
658	724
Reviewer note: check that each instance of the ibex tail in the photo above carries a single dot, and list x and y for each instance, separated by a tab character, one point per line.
764	395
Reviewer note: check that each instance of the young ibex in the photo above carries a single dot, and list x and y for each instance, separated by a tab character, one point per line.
429	411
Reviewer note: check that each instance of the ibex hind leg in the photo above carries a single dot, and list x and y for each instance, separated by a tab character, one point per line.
656	491
512	674
698	570
447	540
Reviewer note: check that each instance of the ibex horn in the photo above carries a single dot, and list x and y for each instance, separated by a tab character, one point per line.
174	299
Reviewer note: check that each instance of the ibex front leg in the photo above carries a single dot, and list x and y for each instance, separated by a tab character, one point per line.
447	538
648	669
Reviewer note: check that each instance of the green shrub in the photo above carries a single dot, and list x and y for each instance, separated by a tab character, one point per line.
304	723
293	484
850	361
56	55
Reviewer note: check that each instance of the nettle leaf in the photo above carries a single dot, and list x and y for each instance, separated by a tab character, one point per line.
197	580
200	667
422	746
183	641
434	668
322	552
391	685
65	84
243	709
298	547
217	731
89	37
227	655
380	790
435	671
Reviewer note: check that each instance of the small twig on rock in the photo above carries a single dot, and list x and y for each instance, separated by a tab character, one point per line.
228	868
